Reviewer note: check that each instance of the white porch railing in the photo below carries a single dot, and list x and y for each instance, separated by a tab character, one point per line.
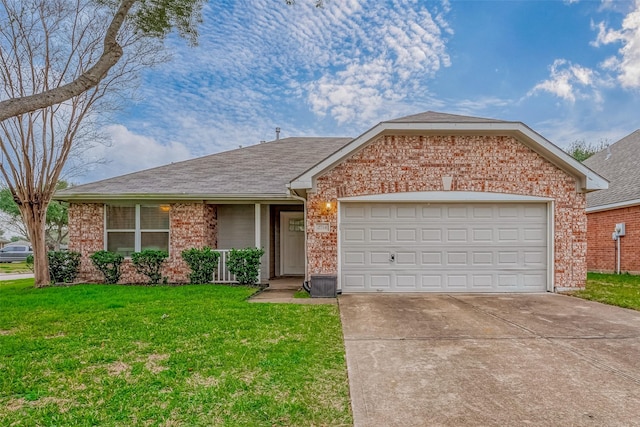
222	274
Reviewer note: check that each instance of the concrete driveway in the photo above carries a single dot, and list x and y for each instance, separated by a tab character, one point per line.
542	360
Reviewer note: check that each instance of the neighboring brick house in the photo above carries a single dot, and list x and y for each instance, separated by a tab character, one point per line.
427	203
619	204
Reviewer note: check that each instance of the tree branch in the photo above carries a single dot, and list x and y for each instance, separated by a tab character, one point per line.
111	54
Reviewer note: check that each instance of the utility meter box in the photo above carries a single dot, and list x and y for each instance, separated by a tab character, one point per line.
620	229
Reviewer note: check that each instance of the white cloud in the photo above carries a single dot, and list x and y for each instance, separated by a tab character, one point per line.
351	62
569	82
627	63
404	49
129	152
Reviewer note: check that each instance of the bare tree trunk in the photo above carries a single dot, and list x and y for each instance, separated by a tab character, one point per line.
34	216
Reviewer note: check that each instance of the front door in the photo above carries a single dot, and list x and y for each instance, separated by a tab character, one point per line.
291	243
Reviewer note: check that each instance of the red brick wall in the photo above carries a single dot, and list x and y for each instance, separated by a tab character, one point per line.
86	235
191	225
500	164
601	255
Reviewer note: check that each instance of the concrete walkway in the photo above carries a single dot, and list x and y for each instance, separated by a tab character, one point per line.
469	360
15	276
282	291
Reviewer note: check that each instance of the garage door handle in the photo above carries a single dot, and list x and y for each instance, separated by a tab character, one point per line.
392	258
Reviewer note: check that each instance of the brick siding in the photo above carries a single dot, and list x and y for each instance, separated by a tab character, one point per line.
499	164
191	225
601	252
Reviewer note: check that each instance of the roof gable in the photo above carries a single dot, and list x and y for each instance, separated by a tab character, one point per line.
441	123
620	164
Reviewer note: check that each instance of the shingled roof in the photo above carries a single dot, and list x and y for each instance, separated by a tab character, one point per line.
436	117
620	164
261	170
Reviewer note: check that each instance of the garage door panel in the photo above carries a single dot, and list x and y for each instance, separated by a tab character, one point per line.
354	235
457	235
379	258
380	235
354	258
432	235
353	212
430	259
406	259
406	235
443	248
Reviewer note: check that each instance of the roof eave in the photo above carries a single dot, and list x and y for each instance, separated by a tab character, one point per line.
612	206
178	197
588	179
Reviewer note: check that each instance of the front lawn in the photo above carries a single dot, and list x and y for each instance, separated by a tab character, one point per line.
616	289
174	356
14	267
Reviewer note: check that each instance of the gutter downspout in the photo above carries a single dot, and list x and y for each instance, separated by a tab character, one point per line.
293	194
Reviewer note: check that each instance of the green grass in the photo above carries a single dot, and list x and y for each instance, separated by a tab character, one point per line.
301	293
622	290
173	356
14	267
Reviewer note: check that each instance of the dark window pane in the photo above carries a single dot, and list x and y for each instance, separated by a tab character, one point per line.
121	217
121	242
157	241
154	217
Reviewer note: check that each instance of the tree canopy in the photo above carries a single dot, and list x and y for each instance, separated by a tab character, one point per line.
582	150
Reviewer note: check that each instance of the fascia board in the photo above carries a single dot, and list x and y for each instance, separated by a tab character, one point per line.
611	206
173	197
589	180
445	196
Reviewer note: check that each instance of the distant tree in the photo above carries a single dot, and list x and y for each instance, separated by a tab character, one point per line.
57	218
582	150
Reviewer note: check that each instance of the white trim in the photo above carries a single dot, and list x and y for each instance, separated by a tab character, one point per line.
445	196
551	245
589	180
137	240
610	206
306	223
338	249
257	225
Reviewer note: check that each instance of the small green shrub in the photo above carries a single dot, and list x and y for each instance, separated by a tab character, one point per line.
29	262
245	264
63	266
202	262
109	265
149	262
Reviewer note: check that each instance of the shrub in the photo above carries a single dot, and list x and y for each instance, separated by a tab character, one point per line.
149	262
109	265
63	266
29	262
202	262
245	264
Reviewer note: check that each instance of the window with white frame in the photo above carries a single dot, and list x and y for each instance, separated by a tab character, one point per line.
134	228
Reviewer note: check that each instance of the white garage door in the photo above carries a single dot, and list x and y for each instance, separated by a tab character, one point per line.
422	247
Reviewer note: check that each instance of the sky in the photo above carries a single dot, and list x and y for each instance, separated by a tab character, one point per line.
569	69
